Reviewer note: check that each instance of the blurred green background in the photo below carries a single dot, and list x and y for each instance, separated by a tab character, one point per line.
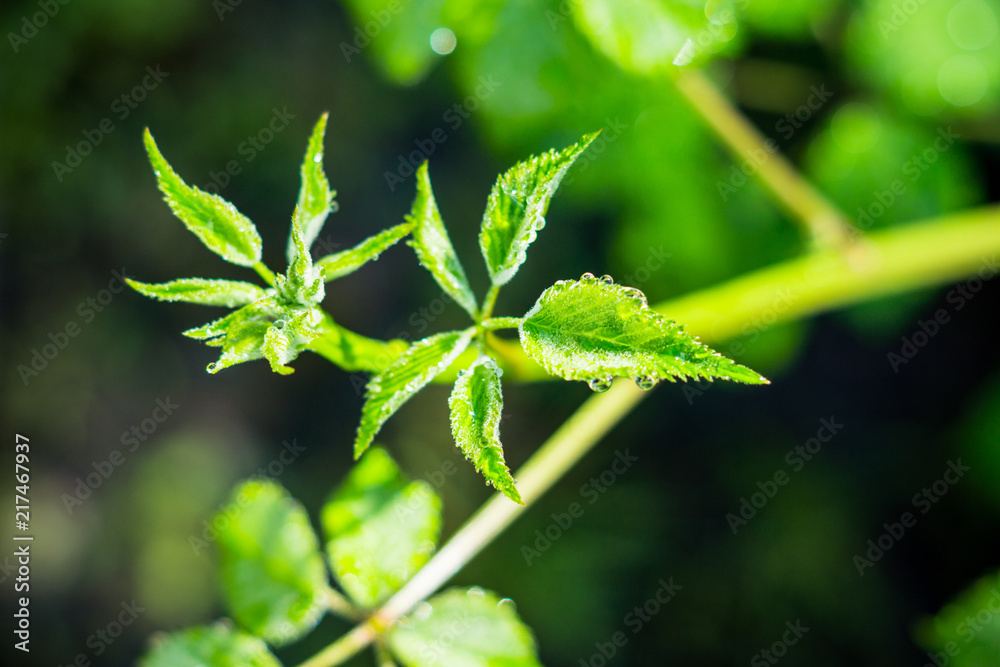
855	93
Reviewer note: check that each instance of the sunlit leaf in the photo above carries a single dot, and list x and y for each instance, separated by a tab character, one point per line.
649	36
229	293
285	338
223	229
348	261
410	373
516	208
476	405
594	330
273	575
217	645
380	529
434	249
464	628
315	197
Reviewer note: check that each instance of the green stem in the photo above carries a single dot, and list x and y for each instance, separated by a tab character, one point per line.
344	648
489	301
495	323
264	273
819	217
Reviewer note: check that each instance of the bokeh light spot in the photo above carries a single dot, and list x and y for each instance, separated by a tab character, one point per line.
856	127
962	80
972	24
443	41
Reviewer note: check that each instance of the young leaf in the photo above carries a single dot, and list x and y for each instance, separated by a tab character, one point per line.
224	230
380	529
476	404
466	628
354	352
285	338
273	576
229	293
348	261
218	645
315	197
434	249
594	330
516	208
410	373
240	334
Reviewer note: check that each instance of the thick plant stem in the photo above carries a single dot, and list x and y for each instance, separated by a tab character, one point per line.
344	648
823	221
489	301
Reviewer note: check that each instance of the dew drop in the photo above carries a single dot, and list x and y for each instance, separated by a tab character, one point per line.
587	276
645	382
507	603
279	324
318	157
600	384
607	280
211	367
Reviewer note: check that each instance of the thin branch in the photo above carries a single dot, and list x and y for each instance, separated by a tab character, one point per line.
823	221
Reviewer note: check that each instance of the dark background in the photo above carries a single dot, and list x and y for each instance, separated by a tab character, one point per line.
653	187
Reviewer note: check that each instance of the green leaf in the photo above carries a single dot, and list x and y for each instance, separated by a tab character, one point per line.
273	575
285	338
476	405
229	293
594	330
516	208
240	334
460	628
410	373
348	261
380	529
315	201
224	230
218	645
434	249
354	352
979	641
649	36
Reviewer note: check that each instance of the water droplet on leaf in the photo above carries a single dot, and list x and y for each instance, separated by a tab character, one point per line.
587	276
645	382
279	324
211	367
607	280
600	384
